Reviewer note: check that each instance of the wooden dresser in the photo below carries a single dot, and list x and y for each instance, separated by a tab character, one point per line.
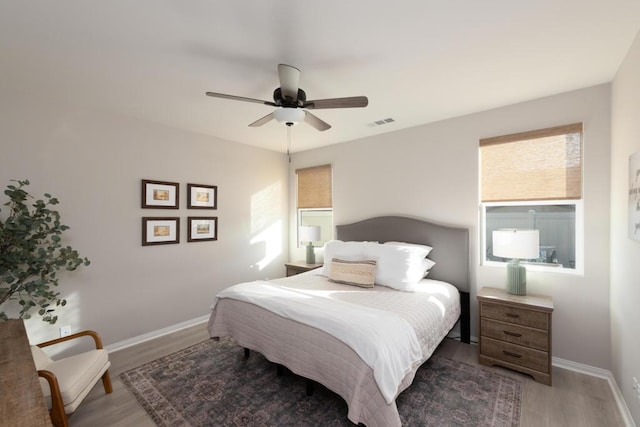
515	332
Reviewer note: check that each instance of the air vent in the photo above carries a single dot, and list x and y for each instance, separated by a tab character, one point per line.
382	122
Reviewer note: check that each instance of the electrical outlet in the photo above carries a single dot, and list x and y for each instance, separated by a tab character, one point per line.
636	387
65	331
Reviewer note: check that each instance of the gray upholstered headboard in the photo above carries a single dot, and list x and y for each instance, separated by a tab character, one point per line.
450	244
450	251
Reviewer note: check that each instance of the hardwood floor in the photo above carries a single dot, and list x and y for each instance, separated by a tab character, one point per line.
574	400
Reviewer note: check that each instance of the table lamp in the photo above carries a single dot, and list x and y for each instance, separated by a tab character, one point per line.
516	245
310	233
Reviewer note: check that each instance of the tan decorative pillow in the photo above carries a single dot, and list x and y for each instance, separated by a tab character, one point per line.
357	273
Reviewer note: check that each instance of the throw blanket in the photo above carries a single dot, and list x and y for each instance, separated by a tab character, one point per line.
386	342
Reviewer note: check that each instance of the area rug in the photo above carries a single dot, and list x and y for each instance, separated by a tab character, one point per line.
211	384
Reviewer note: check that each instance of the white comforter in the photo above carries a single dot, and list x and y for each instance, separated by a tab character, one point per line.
384	340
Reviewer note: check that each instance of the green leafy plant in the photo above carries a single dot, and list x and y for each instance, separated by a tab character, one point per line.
31	253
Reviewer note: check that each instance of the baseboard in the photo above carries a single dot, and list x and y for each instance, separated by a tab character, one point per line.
600	373
121	345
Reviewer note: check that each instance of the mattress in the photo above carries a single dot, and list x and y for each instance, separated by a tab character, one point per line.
431	310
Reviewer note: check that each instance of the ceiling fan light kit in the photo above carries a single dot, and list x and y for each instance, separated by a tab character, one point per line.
289	116
291	100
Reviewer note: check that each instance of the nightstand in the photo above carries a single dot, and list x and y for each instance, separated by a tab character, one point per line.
515	332
297	267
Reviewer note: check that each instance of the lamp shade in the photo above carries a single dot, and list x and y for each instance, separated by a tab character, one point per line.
309	233
518	244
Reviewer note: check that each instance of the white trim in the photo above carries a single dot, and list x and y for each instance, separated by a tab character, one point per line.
121	345
599	373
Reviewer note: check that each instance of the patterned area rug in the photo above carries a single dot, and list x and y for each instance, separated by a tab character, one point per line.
211	384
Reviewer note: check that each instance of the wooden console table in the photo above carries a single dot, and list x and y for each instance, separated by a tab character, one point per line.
22	403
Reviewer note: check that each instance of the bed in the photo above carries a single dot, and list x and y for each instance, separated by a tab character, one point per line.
319	353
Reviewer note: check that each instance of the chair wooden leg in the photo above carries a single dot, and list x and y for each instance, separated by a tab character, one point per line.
106	382
59	419
57	414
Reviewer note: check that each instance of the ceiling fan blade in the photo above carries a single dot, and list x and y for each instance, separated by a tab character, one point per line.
289	81
240	98
263	120
316	122
349	102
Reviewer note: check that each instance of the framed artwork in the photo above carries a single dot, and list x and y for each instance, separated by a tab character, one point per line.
634	196
202	228
202	196
160	231
160	194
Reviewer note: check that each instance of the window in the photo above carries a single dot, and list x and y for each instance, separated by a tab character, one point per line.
533	180
314	200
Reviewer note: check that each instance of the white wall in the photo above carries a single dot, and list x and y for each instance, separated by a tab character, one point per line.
94	162
431	172
625	253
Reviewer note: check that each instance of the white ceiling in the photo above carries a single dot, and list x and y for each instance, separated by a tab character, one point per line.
417	61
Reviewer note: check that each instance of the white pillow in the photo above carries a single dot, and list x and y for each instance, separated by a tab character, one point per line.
426	266
422	248
398	267
350	251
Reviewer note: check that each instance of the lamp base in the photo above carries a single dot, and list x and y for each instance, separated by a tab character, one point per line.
516	278
311	255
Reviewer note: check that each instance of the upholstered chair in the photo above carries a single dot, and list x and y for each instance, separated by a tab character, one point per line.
66	382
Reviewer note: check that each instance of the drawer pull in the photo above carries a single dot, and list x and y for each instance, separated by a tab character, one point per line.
509	353
513	334
512	315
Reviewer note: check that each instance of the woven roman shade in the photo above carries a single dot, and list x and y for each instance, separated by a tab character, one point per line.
544	164
314	187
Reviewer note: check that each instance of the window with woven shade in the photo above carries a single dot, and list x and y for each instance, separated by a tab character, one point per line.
314	187
540	165
533	180
314	193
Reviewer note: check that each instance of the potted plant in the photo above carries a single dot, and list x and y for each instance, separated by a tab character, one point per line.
31	253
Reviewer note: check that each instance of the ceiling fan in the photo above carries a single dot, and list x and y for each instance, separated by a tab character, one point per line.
291	100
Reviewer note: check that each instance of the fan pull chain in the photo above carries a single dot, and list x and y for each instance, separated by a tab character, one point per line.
289	142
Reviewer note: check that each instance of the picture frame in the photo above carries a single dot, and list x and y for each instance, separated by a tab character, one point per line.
200	196
160	194
634	196
202	228
160	230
